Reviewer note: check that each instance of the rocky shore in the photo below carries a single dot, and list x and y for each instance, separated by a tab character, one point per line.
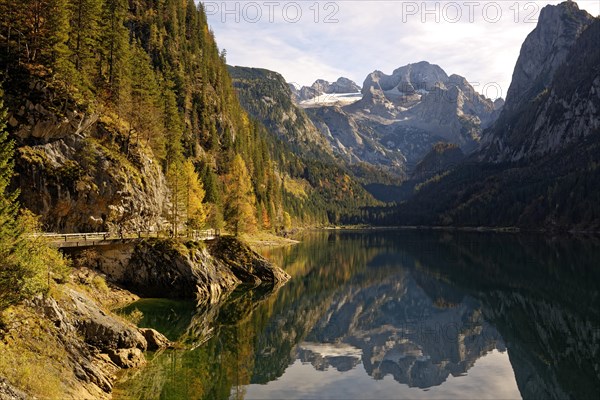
72	337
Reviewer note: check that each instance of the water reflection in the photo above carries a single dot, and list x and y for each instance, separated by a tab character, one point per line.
391	314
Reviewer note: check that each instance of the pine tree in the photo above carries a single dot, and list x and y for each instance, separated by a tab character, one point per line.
146	114
11	234
172	124
239	200
175	183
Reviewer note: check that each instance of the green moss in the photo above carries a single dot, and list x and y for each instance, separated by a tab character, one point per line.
33	156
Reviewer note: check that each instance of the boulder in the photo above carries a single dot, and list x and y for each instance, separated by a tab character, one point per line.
155	339
102	330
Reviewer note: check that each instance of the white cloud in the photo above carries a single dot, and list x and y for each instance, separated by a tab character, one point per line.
370	35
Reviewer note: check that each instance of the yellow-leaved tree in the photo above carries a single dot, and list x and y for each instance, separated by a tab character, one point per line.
196	212
239	199
187	194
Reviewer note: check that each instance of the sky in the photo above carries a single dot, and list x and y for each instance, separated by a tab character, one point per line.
305	40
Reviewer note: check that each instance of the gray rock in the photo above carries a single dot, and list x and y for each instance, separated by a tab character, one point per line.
246	264
165	268
552	100
403	114
544	50
102	330
73	172
7	392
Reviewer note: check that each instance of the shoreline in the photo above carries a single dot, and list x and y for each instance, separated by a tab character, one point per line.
481	229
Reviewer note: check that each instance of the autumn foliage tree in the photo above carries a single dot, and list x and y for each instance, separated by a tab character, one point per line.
195	209
239	199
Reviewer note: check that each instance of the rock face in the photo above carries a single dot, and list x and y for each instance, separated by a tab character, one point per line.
171	269
402	115
267	97
164	268
553	96
74	173
544	50
247	265
101	330
97	343
542	155
7	392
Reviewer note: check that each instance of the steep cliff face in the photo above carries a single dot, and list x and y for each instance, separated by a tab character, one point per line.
267	97
544	50
541	156
81	173
553	96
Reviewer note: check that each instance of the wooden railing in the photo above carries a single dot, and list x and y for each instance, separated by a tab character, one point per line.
62	240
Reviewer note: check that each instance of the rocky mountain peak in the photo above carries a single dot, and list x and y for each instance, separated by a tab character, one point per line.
544	50
537	117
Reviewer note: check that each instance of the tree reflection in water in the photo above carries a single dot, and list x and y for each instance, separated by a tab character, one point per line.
416	306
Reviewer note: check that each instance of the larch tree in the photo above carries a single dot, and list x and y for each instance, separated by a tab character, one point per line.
194	192
239	198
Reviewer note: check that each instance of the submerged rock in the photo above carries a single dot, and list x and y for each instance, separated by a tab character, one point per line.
127	358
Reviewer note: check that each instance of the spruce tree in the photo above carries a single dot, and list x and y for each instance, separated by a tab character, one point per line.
114	48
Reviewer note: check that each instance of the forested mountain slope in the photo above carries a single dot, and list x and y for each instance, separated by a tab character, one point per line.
125	118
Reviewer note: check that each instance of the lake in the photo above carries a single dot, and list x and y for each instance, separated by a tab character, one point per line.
390	315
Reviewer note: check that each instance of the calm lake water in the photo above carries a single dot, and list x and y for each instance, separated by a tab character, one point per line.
390	315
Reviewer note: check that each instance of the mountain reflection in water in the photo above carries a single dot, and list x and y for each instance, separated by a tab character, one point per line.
392	314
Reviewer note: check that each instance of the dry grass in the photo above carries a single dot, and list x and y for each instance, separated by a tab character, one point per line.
261	240
31	356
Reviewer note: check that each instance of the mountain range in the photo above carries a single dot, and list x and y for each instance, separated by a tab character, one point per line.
401	116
